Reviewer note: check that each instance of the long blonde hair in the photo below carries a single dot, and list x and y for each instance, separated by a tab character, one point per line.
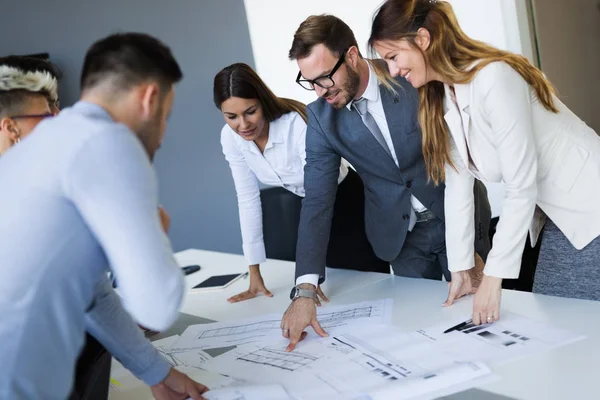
452	54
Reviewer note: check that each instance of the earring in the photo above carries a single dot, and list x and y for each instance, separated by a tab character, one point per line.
18	139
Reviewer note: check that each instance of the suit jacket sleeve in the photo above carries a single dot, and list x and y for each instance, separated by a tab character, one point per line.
505	98
321	173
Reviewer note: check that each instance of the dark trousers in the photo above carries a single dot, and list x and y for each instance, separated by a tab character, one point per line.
92	372
424	252
348	247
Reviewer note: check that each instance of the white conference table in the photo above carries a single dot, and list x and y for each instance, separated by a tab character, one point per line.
570	372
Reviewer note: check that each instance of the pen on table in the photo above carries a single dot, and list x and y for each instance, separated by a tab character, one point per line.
458	326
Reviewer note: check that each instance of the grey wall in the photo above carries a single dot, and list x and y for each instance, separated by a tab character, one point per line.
196	186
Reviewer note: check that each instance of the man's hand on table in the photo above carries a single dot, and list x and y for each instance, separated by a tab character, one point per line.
178	386
301	313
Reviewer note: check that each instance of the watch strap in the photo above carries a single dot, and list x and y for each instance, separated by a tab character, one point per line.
311	294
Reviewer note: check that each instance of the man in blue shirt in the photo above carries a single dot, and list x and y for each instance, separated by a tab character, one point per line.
85	197
28	94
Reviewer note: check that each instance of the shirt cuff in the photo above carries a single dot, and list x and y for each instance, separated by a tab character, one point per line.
156	372
313	279
255	253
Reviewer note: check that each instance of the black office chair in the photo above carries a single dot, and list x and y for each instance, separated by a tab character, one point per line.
281	217
528	263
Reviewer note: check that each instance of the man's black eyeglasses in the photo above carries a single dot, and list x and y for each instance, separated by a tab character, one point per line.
325	81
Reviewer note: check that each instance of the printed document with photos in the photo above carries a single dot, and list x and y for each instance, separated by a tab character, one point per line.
350	366
510	338
380	362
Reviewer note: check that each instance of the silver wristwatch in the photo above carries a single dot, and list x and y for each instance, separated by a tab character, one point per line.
297	292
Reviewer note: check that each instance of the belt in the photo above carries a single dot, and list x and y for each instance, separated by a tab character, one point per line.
425	216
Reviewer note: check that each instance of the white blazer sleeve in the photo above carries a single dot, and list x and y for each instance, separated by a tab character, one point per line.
504	96
459	208
248	194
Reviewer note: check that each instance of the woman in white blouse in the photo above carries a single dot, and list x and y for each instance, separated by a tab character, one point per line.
489	114
264	141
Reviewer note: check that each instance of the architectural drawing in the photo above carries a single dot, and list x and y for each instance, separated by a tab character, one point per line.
240	329
335	319
278	358
332	319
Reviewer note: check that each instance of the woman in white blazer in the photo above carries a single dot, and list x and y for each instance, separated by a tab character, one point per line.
489	114
263	141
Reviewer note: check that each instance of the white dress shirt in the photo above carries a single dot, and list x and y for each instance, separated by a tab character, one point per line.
375	108
281	164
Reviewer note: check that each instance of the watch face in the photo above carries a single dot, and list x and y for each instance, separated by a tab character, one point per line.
293	293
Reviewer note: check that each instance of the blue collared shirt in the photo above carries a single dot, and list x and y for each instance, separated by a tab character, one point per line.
79	194
112	326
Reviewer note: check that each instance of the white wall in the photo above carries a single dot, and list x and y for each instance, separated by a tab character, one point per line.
272	24
501	23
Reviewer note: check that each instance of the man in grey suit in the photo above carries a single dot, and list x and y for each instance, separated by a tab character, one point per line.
375	127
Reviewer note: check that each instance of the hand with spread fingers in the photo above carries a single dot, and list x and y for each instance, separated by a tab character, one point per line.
487	289
257	287
301	314
460	286
465	282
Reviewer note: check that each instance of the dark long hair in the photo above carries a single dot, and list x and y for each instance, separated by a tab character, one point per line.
240	80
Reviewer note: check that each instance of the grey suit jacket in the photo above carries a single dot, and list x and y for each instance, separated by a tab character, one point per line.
332	134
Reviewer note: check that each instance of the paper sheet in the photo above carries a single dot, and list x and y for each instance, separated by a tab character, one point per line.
510	338
348	366
181	356
212	380
258	392
189	362
163	345
452	380
121	380
380	363
134	389
334	319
